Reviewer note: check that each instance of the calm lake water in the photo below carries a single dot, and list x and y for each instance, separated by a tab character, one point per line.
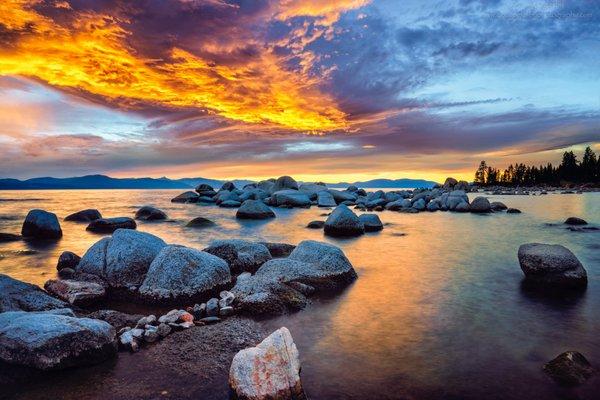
438	311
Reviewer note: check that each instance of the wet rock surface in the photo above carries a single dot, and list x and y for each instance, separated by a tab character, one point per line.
552	266
569	368
41	224
109	225
88	215
20	296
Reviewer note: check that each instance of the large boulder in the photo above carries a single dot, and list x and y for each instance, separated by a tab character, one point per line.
109	225
269	371
342	195
450	183
47	341
123	259
254	209
569	368
67	259
453	199
205	190
77	293
279	249
480	205
229	186
180	274
575	221
553	266
371	222
343	222
186	197
498	206
241	255
225	195
200	222
312	189
20	296
290	198
325	199
283	183
84	215
149	213
41	224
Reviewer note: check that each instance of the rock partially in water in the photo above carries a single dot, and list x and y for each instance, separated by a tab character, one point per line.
575	221
230	204
40	224
148	213
569	368
279	249
76	293
552	266
200	222
241	255
513	211
498	206
480	205
325	199
9	237
20	296
123	259
181	273
117	319
47	341
88	215
342	195
109	225
316	224
343	222
186	197
67	259
254	209
283	183
290	198
269	371
371	222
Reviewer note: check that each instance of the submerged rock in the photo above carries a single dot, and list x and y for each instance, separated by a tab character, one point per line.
148	213
88	215
551	265
316	224
254	209
575	221
74	292
186	197
109	225
569	368
269	371
513	211
46	341
241	255
20	296
371	222
67	259
200	222
343	222
41	224
9	237
181	273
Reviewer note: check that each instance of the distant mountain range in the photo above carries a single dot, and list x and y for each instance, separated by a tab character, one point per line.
106	182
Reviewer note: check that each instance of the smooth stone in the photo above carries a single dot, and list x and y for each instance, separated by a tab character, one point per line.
109	225
480	205
325	199
118	319
575	221
210	320
66	273
212	307
151	334
148	213
569	368
75	292
290	198
279	249
200	222
230	204
176	316
41	224
551	265
9	237
241	255
225	311
316	224
186	197
343	222
198	311
513	211
283	183
20	296
269	371
341	195
371	222
229	186
88	215
254	209
147	320
163	330
67	259
498	206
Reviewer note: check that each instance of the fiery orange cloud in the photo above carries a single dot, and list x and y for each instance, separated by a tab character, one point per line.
90	55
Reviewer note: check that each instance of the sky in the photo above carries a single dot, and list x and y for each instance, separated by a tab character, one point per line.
322	90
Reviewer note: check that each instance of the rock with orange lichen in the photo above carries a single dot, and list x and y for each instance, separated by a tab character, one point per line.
271	370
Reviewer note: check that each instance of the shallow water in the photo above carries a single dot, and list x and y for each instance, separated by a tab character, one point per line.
437	312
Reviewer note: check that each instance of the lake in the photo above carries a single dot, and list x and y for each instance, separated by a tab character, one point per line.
438	311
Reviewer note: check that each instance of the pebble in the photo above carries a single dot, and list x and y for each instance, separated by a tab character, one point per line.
212	307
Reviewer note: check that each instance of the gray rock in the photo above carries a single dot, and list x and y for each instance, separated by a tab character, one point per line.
151	334
230	204
575	221
186	197
176	316
226	195
41	224
498	206
343	222
433	206
117	319
450	183
128	341
453	199
75	292
325	199
480	205
279	249
67	259
341	195
181	273
371	222
254	209
569	368
123	259
148	213
47	341
147	320
283	183
20	296
210	320
291	198
271	370
84	216
212	307
198	311
513	211
230	186
551	265
200	222
66	273
241	255
419	204
312	190
227	298
109	225
462	207
205	190
225	311
163	330
316	224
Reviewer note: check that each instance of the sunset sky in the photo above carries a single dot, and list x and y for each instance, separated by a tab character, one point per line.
320	90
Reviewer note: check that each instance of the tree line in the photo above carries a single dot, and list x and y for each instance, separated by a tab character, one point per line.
570	170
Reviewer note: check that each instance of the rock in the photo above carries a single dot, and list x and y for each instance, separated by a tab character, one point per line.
187	197
433	206
279	249
148	213
462	185
205	190
462	207
9	237
210	320
254	209
212	307
225	311
151	334
569	368
109	225
455	198
316	224
176	316
449	183
498	206
283	183
123	259
513	211
291	198
352	188
241	255
147	320
163	330
480	205
343	222
117	319
227	298
206	199
88	215
312	190
20	296
75	292
200	222
271	370
419	204
41	224
575	221
371	222
229	186
551	265
67	259
325	199
198	311
180	274
129	340
66	273
47	341
341	195
230	204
